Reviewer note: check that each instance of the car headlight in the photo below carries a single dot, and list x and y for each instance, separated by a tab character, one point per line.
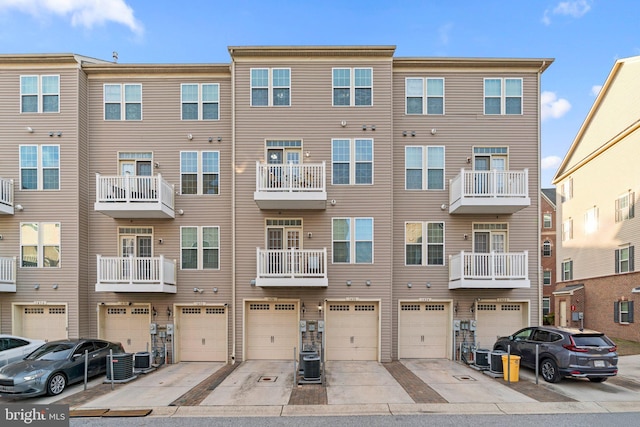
33	375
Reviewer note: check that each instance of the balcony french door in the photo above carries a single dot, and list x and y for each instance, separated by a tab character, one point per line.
279	239
136	247
487	242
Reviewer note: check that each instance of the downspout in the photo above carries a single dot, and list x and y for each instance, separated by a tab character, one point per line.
539	269
233	209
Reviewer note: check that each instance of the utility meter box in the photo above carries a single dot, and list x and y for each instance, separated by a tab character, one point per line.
320	325
153	328
473	324
169	328
311	325
303	326
456	325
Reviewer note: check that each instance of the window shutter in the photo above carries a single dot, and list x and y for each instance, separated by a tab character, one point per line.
632	204
630	311
617	266
617	211
631	258
616	312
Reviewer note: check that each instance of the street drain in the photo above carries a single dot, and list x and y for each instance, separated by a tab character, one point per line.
267	379
464	378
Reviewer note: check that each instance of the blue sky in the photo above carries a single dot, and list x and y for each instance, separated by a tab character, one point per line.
585	37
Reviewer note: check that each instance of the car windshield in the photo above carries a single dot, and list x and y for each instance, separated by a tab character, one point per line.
56	351
591	341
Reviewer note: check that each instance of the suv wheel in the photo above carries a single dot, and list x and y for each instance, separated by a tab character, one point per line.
549	371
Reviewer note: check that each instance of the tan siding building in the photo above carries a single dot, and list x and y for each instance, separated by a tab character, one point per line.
329	198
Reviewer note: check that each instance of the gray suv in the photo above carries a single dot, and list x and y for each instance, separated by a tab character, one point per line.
563	352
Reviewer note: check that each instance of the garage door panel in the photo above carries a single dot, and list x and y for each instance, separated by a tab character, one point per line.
424	330
272	330
202	334
498	319
44	322
128	326
352	331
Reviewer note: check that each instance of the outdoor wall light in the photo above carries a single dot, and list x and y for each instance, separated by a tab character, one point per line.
428	285
189	136
348	282
19	208
319	306
29	129
252	282
368	283
36	286
198	290
409	285
55	286
215	290
168	311
154	312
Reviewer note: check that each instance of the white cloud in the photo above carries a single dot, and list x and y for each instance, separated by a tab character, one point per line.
550	162
595	90
84	13
552	107
576	8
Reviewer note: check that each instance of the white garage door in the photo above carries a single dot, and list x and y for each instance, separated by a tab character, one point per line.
202	334
45	322
352	331
128	325
424	330
498	319
272	330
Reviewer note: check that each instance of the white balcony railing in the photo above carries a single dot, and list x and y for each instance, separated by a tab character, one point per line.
307	177
136	274
291	267
117	195
489	191
8	274
489	270
6	196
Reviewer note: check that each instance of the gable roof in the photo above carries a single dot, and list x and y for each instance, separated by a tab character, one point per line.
614	115
550	195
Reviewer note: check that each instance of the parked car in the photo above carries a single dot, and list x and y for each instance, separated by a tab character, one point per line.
563	352
54	365
14	348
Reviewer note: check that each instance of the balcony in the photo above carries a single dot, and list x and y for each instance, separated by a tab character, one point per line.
6	196
127	196
489	270
136	274
304	268
292	186
489	192
8	274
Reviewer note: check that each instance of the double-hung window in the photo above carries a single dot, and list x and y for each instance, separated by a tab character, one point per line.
123	102
547	220
624	259
352	161
424	95
567	270
39	167
623	311
39	244
424	243
353	240
546	277
424	167
200	248
40	94
270	87
625	207
200	172
567	230
200	101
502	96
546	248
352	87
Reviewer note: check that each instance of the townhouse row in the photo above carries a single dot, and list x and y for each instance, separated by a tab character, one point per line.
337	198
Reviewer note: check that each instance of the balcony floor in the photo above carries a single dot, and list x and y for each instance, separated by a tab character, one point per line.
489	284
137	287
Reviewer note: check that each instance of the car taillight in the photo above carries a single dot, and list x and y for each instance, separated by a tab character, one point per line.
613	349
573	347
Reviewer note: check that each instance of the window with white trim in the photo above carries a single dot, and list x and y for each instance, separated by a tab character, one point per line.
624	257
546	277
502	96
546	305
352	87
40	94
567	230
424	167
566	189
199	172
567	270
39	244
547	220
546	248
352	240
424	243
200	248
270	87
352	161
591	220
625	206
39	167
200	101
123	102
424	95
